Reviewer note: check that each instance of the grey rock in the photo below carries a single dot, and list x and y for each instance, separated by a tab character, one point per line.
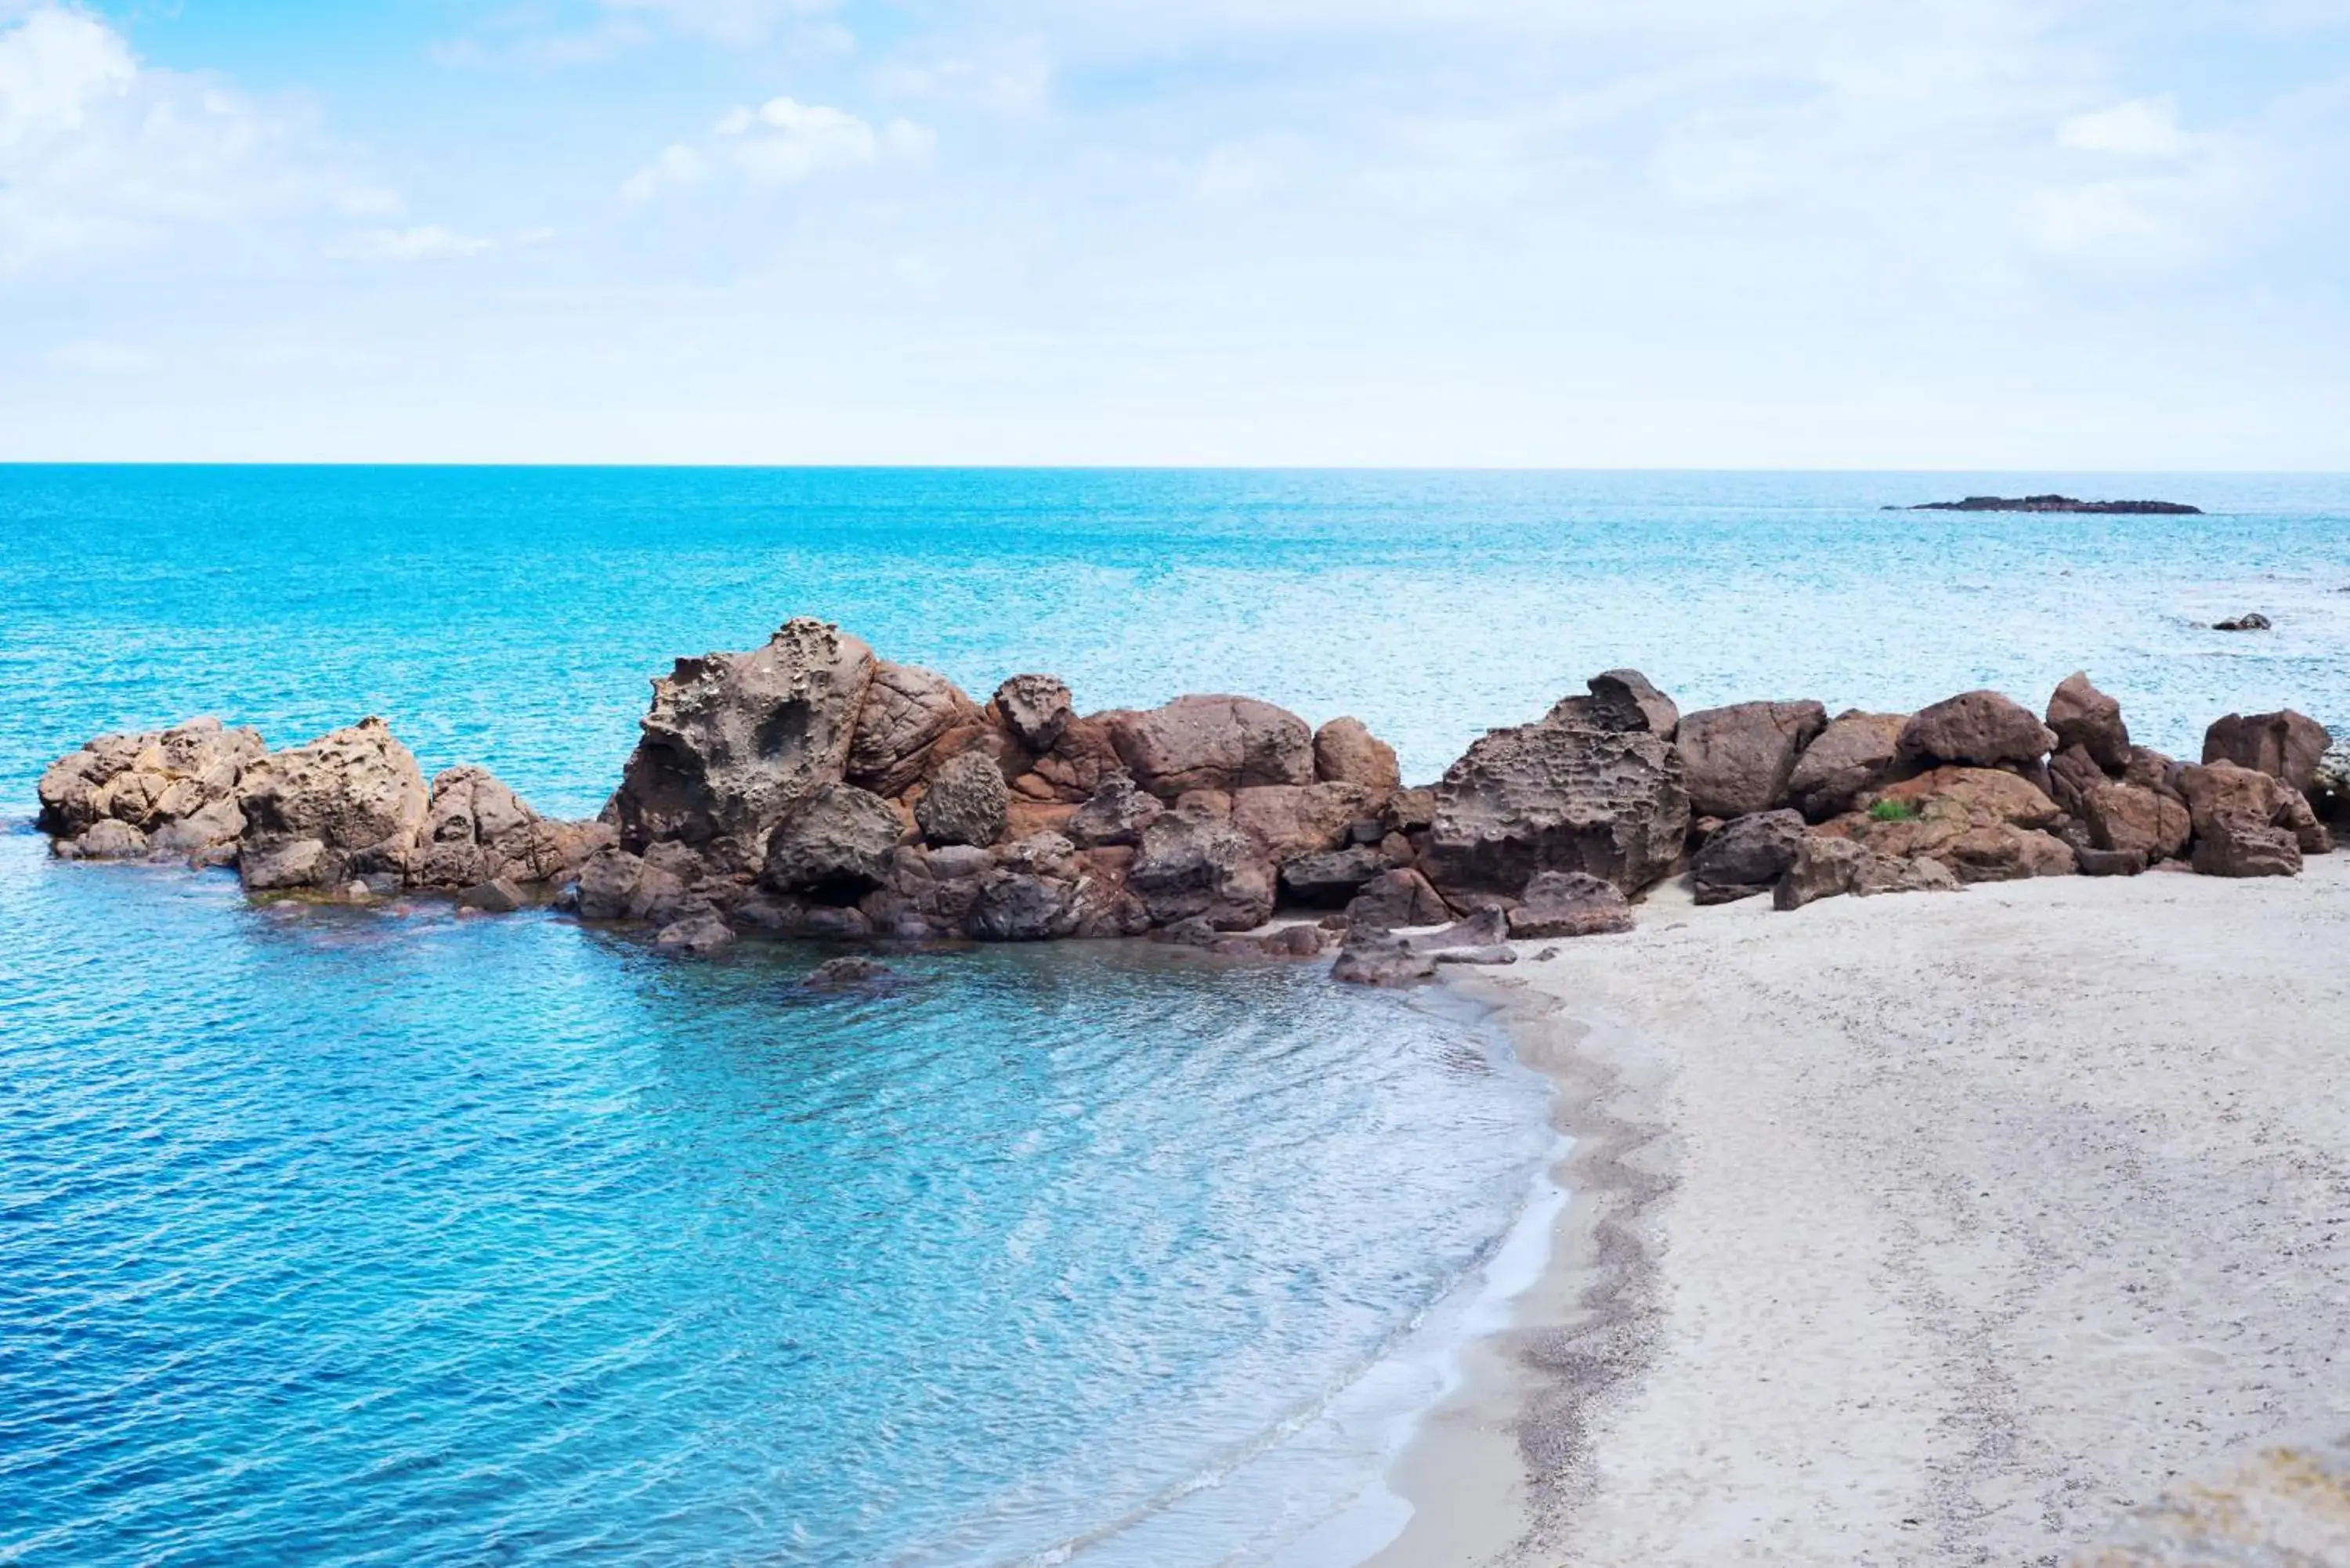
1569	904
966	802
850	973
1747	856
356	794
698	936
1484	929
1329	880
1394	899
1623	700
499	896
1555	797
1194	866
834	844
1381	959
1035	708
1481	956
2251	620
1020	907
1116	814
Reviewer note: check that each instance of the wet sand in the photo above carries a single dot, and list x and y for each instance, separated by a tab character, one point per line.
1935	1229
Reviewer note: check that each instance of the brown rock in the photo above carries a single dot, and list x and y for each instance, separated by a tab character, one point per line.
966	802
357	794
107	839
499	896
1346	753
2127	817
1569	904
1550	797
1623	700
2240	822
2083	716
834	844
698	935
1741	760
1856	754
176	787
906	712
1290	820
1081	757
2072	773
735	740
1482	928
1982	824
607	884
2284	746
1747	856
1826	866
1213	742
1396	899
1978	727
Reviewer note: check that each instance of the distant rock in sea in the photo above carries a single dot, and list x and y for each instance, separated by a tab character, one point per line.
2058	504
2254	621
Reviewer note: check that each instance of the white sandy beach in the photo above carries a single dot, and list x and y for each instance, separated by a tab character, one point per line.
1935	1229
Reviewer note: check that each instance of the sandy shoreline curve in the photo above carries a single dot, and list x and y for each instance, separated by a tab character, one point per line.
1927	1230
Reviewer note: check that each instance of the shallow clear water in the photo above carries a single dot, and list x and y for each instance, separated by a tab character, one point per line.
335	1236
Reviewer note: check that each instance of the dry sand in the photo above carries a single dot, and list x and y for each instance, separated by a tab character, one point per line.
1932	1229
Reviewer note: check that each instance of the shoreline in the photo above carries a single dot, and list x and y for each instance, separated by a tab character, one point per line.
1942	1238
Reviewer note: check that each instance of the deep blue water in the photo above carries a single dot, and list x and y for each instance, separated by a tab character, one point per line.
335	1236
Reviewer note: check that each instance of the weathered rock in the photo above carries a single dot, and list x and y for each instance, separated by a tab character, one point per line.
356	795
1396	899
1288	942
2110	862
1081	757
1985	825
735	740
2072	773
1748	856
2284	746
1019	906
2299	818
2083	716
1826	866
1555	797
1741	760
1382	958
1856	754
1623	700
1188	865
906	711
834	844
1346	753
966	802
1035	709
1482	929
1213	742
2135	820
1117	813
1981	727
1329	880
175	788
1569	904
850	973
1409	810
1291	820
477	830
2240	822
498	895
607	883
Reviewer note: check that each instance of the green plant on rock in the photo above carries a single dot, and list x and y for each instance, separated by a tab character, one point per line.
1892	811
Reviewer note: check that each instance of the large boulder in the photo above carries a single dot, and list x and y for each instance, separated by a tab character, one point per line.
907	712
2081	715
1623	700
1080	757
2246	822
1213	742
1346	753
1290	820
1192	865
2284	746
1984	824
1828	867
735	740
317	816
1748	856
1569	904
1332	879
966	802
1741	759
1034	709
476	831
2072	773
1558	797
1116	814
835	844
176	789
1393	899
1981	728
2133	819
1856	754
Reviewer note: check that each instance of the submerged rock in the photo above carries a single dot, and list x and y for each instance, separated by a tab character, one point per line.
1381	959
850	973
2250	621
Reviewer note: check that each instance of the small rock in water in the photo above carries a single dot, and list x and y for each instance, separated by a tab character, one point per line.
851	973
2254	621
1380	958
699	935
498	895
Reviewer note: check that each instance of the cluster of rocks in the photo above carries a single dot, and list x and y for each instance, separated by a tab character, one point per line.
808	788
345	816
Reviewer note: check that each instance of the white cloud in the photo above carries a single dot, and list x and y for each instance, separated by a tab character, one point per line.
783	143
425	243
2142	127
100	153
1012	79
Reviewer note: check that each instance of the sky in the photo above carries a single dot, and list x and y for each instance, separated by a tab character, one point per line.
2046	235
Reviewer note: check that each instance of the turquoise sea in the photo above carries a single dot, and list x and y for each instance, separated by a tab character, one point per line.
344	1237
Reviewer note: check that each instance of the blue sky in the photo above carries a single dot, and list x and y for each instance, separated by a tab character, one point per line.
2031	233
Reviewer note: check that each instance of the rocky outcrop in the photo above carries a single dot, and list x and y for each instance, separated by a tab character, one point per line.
2081	715
1558	797
319	815
477	831
1116	814
1194	866
966	802
834	844
1346	753
1857	754
906	713
1981	729
1331	879
1741	759
1569	904
735	740
2284	746
1035	709
1212	743
1747	857
167	793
